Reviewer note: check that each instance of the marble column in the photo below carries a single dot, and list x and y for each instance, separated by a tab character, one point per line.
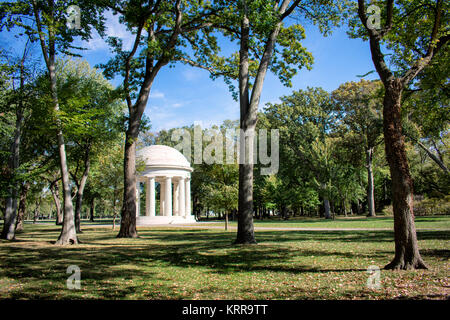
175	198
188	197
168	197
150	198
161	197
182	194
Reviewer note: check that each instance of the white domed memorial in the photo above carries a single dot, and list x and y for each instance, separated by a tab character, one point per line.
171	170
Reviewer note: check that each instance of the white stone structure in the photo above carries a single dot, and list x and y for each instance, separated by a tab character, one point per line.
168	167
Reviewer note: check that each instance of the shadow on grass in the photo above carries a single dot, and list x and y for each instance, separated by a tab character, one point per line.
107	262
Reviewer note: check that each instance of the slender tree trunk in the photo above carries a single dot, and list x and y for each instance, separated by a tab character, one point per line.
345	207
92	209
68	234
370	183
22	206
438	160
54	188
9	225
226	220
407	254
37	211
80	190
326	205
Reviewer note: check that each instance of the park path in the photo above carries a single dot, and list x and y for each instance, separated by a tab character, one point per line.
206	225
196	226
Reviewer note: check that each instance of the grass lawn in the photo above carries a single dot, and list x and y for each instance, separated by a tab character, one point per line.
183	263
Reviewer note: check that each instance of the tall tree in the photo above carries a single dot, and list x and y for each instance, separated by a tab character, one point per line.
91	113
18	101
162	31
49	28
426	109
265	43
305	120
414	33
360	105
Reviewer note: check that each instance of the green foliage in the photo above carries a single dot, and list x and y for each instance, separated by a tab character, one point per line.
160	41
432	206
360	107
408	40
289	55
53	17
310	161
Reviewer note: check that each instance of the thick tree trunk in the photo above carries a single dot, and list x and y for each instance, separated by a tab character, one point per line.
245	233
22	206
9	224
248	117
128	221
370	183
407	254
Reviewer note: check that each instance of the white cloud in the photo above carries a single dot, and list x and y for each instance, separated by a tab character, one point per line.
191	74
156	94
113	29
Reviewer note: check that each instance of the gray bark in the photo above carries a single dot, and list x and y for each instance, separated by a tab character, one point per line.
68	233
326	204
248	118
370	183
9	225
80	189
128	221
22	206
54	188
92	209
245	232
437	160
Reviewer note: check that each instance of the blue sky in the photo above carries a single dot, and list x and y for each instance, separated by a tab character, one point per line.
184	95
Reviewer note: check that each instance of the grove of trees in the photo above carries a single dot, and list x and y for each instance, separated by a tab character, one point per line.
367	147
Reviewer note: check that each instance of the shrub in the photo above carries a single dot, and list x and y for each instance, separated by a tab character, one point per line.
432	206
